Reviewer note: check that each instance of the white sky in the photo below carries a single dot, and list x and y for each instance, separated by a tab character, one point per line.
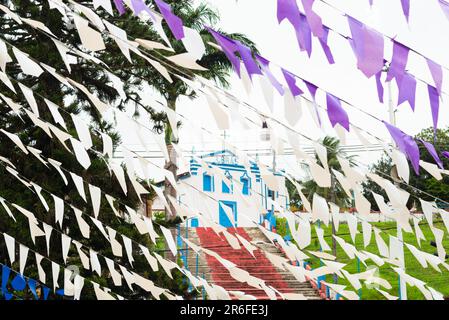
426	33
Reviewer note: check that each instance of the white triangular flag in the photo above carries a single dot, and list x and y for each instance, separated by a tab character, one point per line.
40	270
128	248
28	93
55	274
59	209
115	275
90	38
95	197
2	201
320	209
367	230
83	131
151	260
80	153
94	262
11	246
23	256
47	229
83	257
78	286
115	245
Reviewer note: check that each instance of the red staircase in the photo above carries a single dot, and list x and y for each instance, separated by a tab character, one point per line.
259	266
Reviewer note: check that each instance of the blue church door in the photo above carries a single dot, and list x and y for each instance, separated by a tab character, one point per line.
223	218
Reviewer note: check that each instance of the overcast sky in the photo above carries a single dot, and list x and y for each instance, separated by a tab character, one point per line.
426	32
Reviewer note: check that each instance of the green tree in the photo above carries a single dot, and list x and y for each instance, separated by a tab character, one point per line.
40	47
429	186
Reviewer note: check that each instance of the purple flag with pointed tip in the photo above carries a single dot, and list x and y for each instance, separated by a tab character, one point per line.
406	144
173	21
368	46
248	60
324	45
291	82
312	88
406	8
336	113
380	88
431	149
119	6
434	99
228	46
139	6
398	62
314	20
304	35
264	64
407	90
437	74
445	154
288	9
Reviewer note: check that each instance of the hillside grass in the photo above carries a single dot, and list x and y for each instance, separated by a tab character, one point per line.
434	279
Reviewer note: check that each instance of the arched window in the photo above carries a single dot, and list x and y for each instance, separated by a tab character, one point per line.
208	182
246	182
226	187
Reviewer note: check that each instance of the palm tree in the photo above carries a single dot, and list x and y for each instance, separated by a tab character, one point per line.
218	70
335	193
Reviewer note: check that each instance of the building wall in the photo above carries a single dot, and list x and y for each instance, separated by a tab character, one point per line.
252	206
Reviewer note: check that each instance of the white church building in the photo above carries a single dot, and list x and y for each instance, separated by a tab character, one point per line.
230	194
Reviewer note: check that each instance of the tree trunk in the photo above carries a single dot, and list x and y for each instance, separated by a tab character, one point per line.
170	165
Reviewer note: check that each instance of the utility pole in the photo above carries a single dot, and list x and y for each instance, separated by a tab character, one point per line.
402	283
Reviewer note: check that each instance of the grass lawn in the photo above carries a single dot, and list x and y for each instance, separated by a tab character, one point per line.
436	280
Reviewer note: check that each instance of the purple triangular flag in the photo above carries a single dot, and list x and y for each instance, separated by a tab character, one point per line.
445	154
173	21
139	6
324	45
407	90
336	113
291	82
437	74
314	20
380	88
228	46
434	99
312	88
264	64
406	8
248	60
431	149
406	144
398	62
120	6
368	45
